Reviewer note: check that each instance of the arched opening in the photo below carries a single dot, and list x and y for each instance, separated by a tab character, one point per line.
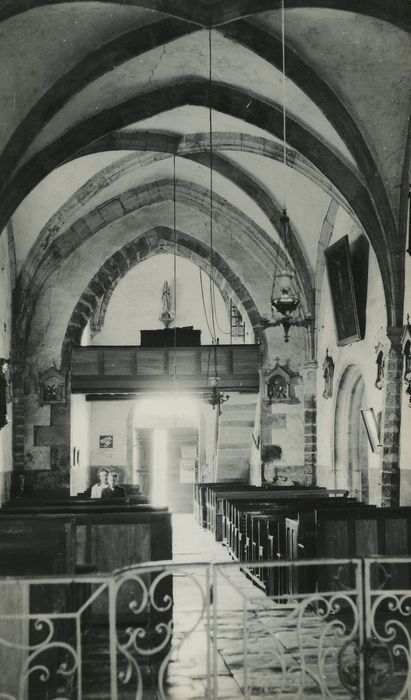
350	437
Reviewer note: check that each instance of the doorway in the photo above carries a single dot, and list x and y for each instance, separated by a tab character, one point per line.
165	450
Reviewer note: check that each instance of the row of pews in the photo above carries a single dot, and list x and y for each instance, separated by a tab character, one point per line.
81	535
274	524
54	536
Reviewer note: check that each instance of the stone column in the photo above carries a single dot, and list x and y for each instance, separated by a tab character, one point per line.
391	421
309	373
18	417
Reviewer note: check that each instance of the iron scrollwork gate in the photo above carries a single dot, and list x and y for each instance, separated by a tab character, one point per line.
334	629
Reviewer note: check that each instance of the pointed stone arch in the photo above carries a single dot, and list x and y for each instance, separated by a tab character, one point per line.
157	240
350	463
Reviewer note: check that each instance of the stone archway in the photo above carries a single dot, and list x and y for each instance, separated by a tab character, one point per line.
350	438
56	434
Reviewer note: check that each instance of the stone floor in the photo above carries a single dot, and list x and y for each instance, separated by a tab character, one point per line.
243	646
247	626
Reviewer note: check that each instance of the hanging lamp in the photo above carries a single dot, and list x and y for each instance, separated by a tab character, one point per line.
284	300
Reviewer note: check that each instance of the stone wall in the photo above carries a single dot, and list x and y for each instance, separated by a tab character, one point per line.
5	341
361	356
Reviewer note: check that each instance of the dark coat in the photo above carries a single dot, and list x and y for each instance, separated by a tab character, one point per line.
117	492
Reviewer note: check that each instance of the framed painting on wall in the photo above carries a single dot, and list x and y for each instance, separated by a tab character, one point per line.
371	427
340	277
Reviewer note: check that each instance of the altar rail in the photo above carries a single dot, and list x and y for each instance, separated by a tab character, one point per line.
350	638
129	368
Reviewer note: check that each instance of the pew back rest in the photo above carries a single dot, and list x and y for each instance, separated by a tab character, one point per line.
30	547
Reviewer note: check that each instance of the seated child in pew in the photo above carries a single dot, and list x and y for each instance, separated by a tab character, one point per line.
97	489
113	490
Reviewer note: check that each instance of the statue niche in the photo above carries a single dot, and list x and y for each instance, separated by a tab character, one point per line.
280	384
4	390
380	362
52	387
328	374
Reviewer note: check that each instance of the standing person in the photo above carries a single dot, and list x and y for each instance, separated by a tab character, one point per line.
113	490
97	489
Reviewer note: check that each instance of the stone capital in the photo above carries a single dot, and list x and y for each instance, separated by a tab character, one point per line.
394	335
310	365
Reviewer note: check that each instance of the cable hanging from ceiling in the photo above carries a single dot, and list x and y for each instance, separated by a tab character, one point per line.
210	117
216	398
284	299
175	268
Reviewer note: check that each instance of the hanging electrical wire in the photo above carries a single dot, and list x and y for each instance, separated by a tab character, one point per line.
204	305
284	105
210	116
175	266
216	315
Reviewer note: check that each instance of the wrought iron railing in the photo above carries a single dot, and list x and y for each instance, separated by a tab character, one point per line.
329	629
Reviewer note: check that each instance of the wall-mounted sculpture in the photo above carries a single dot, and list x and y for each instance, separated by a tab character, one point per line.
4	390
52	386
406	349
167	315
328	374
280	384
380	362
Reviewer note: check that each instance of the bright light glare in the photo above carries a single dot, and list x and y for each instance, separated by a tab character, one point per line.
160	410
159	468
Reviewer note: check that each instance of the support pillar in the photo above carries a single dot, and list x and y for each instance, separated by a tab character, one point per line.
309	373
391	423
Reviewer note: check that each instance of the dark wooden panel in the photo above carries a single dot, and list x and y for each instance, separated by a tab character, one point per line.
215	361
185	362
118	361
151	362
84	361
396	537
245	360
366	538
333	539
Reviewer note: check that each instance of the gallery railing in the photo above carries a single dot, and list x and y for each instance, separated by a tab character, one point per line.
327	629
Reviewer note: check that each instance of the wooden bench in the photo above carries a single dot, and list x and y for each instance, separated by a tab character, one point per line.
71	501
30	547
260	533
200	497
222	502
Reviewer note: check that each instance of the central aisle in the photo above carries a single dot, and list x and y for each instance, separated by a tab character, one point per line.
248	639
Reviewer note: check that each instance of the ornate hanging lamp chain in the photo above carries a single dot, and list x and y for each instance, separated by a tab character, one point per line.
284	103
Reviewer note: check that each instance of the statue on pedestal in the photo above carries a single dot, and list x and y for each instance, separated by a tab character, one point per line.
166	315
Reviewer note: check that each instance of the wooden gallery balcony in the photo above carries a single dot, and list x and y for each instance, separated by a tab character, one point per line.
131	369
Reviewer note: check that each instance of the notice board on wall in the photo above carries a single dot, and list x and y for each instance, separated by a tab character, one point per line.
187	471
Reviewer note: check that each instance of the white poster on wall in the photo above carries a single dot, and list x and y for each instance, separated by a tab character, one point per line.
187	471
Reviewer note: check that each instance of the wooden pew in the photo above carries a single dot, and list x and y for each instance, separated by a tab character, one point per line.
30	547
71	501
371	532
200	497
279	493
267	534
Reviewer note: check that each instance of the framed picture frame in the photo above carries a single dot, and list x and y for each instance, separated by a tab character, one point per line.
106	442
343	297
371	427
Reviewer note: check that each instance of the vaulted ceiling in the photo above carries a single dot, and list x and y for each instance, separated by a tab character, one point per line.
105	120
